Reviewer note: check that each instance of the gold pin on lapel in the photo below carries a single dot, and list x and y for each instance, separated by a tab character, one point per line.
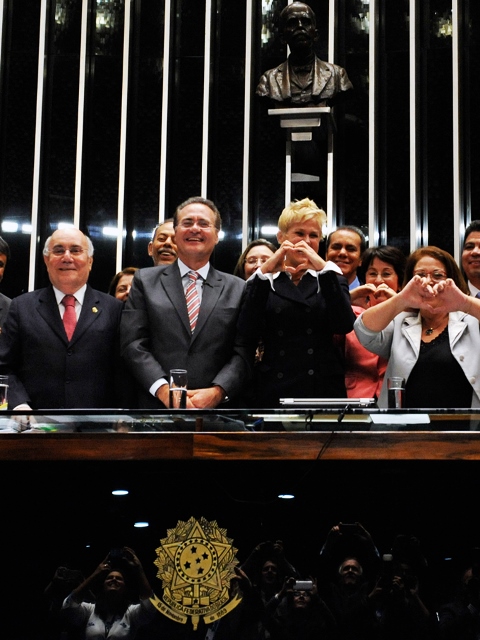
94	309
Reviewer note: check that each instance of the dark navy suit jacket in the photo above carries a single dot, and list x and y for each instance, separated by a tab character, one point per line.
47	371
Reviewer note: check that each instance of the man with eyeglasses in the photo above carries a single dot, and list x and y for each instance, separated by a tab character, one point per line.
59	344
183	316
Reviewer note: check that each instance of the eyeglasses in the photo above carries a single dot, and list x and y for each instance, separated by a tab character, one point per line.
436	276
253	260
73	251
384	275
188	223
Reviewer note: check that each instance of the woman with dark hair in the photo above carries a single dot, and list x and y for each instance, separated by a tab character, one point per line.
121	283
430	334
298	613
256	254
113	615
384	269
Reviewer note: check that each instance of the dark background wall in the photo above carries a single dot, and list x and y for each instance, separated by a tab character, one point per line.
141	196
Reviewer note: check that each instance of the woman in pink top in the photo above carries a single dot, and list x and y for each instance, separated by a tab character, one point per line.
383	267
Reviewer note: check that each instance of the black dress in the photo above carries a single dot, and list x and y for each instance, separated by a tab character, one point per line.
437	380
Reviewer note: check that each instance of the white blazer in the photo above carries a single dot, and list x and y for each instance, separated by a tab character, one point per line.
400	343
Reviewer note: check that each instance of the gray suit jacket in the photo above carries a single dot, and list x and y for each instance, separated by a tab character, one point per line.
400	342
156	337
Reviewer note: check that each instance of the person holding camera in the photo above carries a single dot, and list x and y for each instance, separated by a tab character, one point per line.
460	618
297	612
267	568
118	582
349	559
400	610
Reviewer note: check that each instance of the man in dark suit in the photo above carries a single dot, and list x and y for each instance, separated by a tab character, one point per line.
157	333
55	361
4	301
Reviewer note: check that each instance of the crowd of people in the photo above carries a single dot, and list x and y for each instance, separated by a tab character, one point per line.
347	591
288	323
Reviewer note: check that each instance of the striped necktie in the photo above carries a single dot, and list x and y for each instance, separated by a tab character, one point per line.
69	317
193	299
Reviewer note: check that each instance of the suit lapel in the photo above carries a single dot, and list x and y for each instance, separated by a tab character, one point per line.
91	311
284	85
412	330
321	76
212	289
48	309
285	288
456	327
172	284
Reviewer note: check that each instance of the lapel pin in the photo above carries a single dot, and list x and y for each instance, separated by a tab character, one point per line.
94	309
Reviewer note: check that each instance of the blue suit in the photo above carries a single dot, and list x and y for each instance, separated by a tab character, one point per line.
47	371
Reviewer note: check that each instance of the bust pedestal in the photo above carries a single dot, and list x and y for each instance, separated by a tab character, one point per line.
299	123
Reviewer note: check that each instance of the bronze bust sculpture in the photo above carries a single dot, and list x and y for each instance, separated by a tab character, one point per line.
302	80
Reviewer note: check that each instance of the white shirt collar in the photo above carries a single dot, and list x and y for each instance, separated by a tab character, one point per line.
473	289
203	271
329	266
79	295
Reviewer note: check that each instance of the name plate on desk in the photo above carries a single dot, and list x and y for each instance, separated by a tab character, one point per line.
381	420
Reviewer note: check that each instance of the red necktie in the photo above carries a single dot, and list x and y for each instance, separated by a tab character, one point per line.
193	299
69	317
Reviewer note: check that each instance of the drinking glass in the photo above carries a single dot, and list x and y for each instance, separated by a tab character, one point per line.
178	389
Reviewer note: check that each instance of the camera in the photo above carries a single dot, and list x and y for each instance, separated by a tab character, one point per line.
302	585
117	554
386	577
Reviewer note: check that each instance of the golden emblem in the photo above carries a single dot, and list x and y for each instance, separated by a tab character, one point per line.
94	309
196	563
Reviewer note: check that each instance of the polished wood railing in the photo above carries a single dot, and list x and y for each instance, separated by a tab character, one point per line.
123	437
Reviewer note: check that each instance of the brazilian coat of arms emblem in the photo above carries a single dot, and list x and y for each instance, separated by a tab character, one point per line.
196	562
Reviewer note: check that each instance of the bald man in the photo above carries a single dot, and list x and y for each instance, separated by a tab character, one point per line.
57	362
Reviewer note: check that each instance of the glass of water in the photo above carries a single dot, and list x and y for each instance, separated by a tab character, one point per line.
178	389
3	392
396	393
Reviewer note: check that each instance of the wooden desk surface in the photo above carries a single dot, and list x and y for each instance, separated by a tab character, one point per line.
378	445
